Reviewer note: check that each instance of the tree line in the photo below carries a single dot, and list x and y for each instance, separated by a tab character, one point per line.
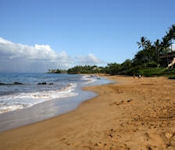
145	62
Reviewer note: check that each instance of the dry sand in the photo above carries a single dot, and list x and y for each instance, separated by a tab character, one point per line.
135	114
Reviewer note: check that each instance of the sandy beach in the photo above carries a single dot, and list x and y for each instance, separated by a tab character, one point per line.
131	114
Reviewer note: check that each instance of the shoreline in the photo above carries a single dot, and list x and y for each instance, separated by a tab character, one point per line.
132	113
48	109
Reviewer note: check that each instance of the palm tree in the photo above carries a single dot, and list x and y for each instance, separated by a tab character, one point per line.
165	46
168	38
171	35
172	32
157	50
142	42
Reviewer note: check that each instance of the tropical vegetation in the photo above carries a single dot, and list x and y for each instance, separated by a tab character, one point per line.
147	61
57	71
85	69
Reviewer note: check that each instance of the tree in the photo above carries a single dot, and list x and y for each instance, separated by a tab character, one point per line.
157	47
127	64
142	42
113	68
171	35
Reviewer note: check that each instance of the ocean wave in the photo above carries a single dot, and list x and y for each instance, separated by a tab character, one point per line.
23	100
89	78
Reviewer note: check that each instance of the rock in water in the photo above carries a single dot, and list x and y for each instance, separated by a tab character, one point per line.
42	83
2	83
17	83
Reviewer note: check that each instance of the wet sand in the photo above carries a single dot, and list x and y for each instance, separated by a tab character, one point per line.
133	114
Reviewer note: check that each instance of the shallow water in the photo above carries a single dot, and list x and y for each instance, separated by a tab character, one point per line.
33	102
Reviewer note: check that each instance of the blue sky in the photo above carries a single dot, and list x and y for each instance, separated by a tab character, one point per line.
109	29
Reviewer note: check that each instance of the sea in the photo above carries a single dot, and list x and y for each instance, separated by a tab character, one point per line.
26	98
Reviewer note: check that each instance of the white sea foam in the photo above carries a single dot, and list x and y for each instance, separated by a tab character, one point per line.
89	78
22	100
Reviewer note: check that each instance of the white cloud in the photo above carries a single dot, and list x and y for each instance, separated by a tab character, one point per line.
38	58
90	59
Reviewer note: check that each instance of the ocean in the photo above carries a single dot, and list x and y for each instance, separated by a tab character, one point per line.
30	97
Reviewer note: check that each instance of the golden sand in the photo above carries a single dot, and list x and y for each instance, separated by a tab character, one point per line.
133	114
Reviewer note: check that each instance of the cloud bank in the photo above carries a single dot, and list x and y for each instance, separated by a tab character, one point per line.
16	57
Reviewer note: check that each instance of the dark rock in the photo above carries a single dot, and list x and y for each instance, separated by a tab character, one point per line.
14	83
5	84
2	83
42	83
17	83
50	83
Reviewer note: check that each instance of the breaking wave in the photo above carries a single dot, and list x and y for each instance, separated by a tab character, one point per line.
23	100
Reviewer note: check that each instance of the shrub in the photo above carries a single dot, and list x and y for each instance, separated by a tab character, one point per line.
151	64
171	77
148	72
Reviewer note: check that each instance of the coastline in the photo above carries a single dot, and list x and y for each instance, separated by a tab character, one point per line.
129	114
51	108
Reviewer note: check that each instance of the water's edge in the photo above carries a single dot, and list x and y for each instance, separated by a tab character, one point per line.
49	109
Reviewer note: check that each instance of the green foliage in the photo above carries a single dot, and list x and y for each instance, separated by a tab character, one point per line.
148	72
146	61
151	64
134	70
85	69
151	52
56	71
169	72
127	64
171	77
113	68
